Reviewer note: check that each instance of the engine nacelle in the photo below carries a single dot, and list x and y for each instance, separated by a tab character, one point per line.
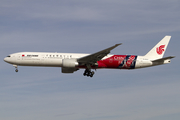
68	70
69	63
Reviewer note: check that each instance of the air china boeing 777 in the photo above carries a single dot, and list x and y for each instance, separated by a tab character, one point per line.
71	62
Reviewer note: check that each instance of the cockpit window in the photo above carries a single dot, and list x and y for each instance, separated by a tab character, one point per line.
8	56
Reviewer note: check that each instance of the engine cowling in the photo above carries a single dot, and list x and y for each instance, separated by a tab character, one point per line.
69	63
68	70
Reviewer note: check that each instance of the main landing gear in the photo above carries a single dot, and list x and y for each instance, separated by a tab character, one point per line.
88	73
16	68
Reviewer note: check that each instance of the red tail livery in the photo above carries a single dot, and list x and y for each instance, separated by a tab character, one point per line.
160	49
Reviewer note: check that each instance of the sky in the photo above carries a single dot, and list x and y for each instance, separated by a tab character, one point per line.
44	93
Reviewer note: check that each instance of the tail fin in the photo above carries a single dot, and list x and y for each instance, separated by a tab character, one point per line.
159	49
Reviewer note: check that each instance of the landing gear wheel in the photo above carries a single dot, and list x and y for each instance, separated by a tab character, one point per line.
92	72
85	72
16	70
88	73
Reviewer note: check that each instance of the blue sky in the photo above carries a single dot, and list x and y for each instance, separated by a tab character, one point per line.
87	27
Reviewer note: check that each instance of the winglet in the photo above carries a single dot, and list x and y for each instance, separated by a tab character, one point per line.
118	44
115	45
110	48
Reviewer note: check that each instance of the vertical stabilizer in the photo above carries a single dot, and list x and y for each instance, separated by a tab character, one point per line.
159	49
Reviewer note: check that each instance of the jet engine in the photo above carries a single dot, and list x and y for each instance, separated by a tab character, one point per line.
69	63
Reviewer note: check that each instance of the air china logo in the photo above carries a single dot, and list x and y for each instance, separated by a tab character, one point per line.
160	49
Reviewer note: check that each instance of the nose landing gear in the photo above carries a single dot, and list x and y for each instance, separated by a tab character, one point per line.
16	68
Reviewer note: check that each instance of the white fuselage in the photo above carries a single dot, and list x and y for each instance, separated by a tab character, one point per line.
71	62
55	59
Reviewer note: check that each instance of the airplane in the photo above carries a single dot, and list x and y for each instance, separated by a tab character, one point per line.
71	62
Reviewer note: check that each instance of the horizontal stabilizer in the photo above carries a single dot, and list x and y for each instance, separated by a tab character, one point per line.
162	59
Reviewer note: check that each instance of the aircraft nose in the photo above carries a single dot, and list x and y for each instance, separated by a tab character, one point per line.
5	59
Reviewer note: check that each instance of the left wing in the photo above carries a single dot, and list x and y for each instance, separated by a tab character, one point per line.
93	58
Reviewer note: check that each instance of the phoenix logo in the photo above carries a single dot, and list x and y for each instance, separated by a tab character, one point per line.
160	49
